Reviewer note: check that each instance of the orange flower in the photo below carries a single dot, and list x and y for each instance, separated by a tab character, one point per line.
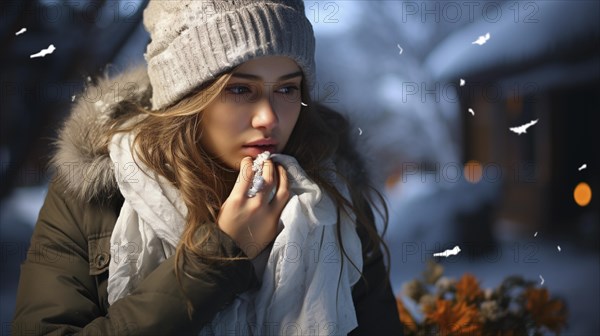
545	312
467	288
405	317
455	319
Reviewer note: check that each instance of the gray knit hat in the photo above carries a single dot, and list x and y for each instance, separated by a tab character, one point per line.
194	41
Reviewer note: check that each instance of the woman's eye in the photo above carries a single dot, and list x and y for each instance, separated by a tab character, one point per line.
288	89
238	89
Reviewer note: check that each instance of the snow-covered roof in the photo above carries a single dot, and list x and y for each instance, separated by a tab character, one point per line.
523	34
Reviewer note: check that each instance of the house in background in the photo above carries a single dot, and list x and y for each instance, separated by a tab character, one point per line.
543	65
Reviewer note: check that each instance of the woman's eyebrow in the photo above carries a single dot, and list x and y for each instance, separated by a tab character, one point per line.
255	77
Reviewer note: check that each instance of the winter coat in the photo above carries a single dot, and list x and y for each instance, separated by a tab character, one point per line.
63	282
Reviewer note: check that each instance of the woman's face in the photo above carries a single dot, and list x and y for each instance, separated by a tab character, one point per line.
256	111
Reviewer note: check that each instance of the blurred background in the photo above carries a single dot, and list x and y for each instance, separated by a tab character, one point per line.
433	112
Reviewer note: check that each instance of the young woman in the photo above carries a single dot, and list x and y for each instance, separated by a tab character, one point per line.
159	222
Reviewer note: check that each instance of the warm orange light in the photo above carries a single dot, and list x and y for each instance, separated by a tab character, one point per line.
473	171
582	194
393	179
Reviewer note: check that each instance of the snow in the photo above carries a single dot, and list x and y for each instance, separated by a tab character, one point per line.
44	52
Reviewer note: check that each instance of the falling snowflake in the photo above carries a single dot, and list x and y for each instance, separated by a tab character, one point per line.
401	50
471	111
21	31
482	39
447	253
583	166
523	128
462	82
44	52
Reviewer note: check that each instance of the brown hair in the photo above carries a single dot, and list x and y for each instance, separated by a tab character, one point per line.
170	138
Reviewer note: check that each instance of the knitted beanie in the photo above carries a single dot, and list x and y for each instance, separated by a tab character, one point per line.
194	41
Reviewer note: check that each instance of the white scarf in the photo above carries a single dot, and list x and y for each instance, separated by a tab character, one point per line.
299	291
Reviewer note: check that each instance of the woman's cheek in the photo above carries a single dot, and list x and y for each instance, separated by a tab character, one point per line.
296	115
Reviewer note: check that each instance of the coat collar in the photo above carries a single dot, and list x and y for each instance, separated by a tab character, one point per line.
81	161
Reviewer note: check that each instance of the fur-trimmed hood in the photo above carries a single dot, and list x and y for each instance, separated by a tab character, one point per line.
82	163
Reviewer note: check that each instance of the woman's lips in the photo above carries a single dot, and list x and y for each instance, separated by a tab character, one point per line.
255	150
260	145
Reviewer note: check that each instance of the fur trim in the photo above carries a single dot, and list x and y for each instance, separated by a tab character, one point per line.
83	165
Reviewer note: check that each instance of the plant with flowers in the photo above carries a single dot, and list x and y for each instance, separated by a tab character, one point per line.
439	305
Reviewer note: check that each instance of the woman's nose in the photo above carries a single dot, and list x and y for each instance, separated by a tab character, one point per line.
264	115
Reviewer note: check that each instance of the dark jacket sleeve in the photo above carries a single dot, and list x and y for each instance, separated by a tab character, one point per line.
58	295
374	300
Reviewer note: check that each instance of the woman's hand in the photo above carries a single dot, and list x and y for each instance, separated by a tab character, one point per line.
252	222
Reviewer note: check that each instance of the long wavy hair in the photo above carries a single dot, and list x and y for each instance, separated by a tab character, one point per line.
168	142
